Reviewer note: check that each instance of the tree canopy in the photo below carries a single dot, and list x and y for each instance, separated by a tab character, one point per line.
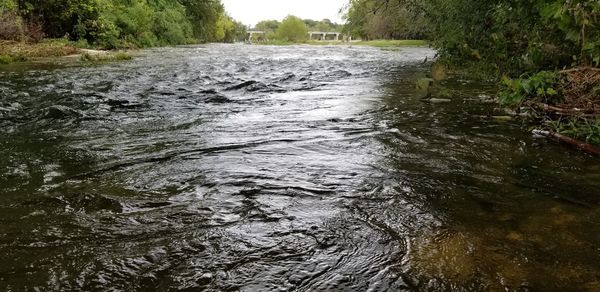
292	29
510	36
124	23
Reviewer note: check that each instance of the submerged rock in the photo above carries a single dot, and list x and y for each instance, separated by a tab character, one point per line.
241	85
218	98
209	91
117	102
436	100
438	71
61	112
424	83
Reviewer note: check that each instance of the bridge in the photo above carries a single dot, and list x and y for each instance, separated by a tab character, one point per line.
320	35
252	33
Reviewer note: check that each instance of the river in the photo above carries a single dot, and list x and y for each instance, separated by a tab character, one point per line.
296	168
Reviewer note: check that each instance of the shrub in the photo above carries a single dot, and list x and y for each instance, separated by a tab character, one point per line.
7	59
540	86
292	29
11	26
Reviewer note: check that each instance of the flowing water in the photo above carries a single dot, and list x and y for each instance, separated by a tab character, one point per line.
301	168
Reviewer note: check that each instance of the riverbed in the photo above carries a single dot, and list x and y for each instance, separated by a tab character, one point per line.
295	168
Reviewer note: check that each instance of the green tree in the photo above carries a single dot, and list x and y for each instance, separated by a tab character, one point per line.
236	33
376	19
292	29
204	15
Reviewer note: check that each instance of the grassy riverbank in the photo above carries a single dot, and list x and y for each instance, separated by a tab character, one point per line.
12	51
15	52
565	102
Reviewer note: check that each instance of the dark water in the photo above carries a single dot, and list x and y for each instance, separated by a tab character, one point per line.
254	168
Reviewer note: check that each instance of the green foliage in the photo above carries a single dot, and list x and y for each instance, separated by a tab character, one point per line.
203	15
7	59
376	19
587	130
101	57
236	32
268	25
8	5
11	26
509	37
540	86
124	23
292	29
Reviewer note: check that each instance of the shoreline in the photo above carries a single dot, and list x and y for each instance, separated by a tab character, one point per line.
55	50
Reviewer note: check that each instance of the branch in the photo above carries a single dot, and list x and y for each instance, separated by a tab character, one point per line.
568	140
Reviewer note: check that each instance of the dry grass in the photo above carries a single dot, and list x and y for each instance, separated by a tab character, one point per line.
581	89
46	48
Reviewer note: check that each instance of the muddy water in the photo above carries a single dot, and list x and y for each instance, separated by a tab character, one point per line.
255	168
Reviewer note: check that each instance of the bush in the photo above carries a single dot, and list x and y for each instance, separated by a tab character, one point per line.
101	57
292	29
114	24
7	59
11	26
541	86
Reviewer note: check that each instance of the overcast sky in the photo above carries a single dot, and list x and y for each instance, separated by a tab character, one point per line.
250	12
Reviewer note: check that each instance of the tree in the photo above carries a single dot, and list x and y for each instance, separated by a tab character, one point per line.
204	15
268	25
292	29
391	19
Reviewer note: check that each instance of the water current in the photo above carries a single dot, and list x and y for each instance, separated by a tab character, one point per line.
296	168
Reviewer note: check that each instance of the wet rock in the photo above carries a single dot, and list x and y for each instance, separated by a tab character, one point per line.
265	88
502	118
209	91
205	279
61	112
258	86
340	73
287	77
6	107
94	203
117	102
438	71
218	98
436	100
424	83
241	85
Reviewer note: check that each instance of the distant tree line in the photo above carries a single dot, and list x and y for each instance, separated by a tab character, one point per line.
119	23
295	29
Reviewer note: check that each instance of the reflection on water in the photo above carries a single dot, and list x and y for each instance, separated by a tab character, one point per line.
230	167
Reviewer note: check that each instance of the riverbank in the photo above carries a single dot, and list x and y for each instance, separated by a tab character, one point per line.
565	104
51	49
560	105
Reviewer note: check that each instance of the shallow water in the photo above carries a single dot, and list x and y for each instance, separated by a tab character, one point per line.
256	168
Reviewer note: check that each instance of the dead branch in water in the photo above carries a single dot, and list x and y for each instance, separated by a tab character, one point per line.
568	140
574	112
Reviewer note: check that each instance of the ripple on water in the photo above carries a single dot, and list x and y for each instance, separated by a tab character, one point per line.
253	168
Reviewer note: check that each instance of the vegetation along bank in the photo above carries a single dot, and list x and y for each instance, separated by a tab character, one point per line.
544	54
25	25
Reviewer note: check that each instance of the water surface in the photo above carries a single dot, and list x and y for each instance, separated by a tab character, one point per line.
300	168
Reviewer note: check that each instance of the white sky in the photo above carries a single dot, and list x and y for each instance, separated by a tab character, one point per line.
251	12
